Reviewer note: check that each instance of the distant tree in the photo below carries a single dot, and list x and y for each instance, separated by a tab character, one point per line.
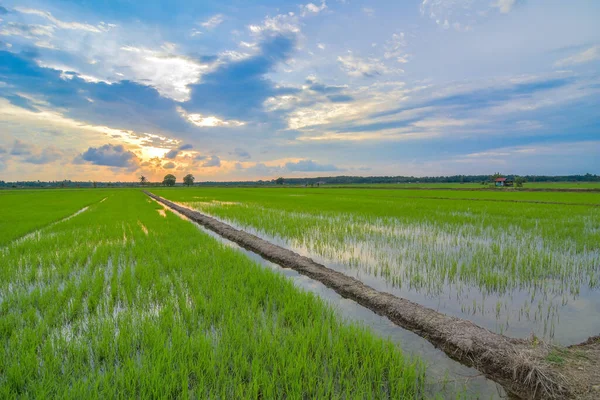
95	184
143	180
169	180
188	180
280	181
519	181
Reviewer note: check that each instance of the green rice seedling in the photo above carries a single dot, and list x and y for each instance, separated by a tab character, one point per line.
520	254
121	302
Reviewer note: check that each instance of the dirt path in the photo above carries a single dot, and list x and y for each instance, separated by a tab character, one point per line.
525	368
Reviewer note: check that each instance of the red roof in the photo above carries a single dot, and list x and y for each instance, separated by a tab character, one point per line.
500	179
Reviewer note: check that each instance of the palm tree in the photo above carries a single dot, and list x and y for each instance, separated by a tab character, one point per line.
143	180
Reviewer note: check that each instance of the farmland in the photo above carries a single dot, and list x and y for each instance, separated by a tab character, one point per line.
516	263
122	300
105	293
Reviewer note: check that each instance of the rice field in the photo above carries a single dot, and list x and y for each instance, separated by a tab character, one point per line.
124	300
503	260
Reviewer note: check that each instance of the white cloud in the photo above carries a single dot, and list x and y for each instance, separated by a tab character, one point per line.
367	67
209	121
591	54
505	6
32	32
368	11
394	48
311	8
213	22
282	23
65	25
168	73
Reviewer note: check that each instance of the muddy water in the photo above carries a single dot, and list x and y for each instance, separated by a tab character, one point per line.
446	377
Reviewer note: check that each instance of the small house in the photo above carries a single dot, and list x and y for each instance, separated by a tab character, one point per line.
502	182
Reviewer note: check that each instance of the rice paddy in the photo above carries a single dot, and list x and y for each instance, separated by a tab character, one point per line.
120	301
502	260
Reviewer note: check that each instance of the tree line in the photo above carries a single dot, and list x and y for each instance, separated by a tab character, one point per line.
329	180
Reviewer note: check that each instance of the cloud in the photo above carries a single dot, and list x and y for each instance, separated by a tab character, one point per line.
27	31
209	121
109	155
46	156
2	150
170	74
3	10
309	166
241	154
212	161
169	165
394	48
591	54
21	148
361	67
311	8
280	24
213	22
368	11
172	154
22	102
340	98
62	24
505	6
236	90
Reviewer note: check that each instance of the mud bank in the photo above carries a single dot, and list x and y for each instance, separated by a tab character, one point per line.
520	366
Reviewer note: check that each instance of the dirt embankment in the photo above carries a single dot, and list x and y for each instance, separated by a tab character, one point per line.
523	367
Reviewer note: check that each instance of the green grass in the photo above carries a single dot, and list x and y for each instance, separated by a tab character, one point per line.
511	263
23	211
120	302
455	185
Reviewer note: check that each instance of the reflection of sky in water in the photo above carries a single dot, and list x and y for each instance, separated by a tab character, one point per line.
445	376
415	261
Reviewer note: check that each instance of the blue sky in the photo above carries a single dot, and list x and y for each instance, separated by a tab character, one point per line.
232	90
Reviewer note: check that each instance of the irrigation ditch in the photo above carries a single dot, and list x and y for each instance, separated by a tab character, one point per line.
526	368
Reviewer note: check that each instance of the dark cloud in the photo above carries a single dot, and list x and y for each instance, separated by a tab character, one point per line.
22	102
21	148
109	155
309	166
2	150
340	98
200	157
321	88
213	161
171	154
125	104
238	89
241	153
3	10
169	165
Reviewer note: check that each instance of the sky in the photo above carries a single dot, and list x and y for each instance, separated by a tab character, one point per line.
236	90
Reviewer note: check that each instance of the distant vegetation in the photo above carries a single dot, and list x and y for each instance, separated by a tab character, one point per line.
331	180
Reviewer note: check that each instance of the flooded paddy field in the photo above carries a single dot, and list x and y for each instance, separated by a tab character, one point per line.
516	268
121	301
